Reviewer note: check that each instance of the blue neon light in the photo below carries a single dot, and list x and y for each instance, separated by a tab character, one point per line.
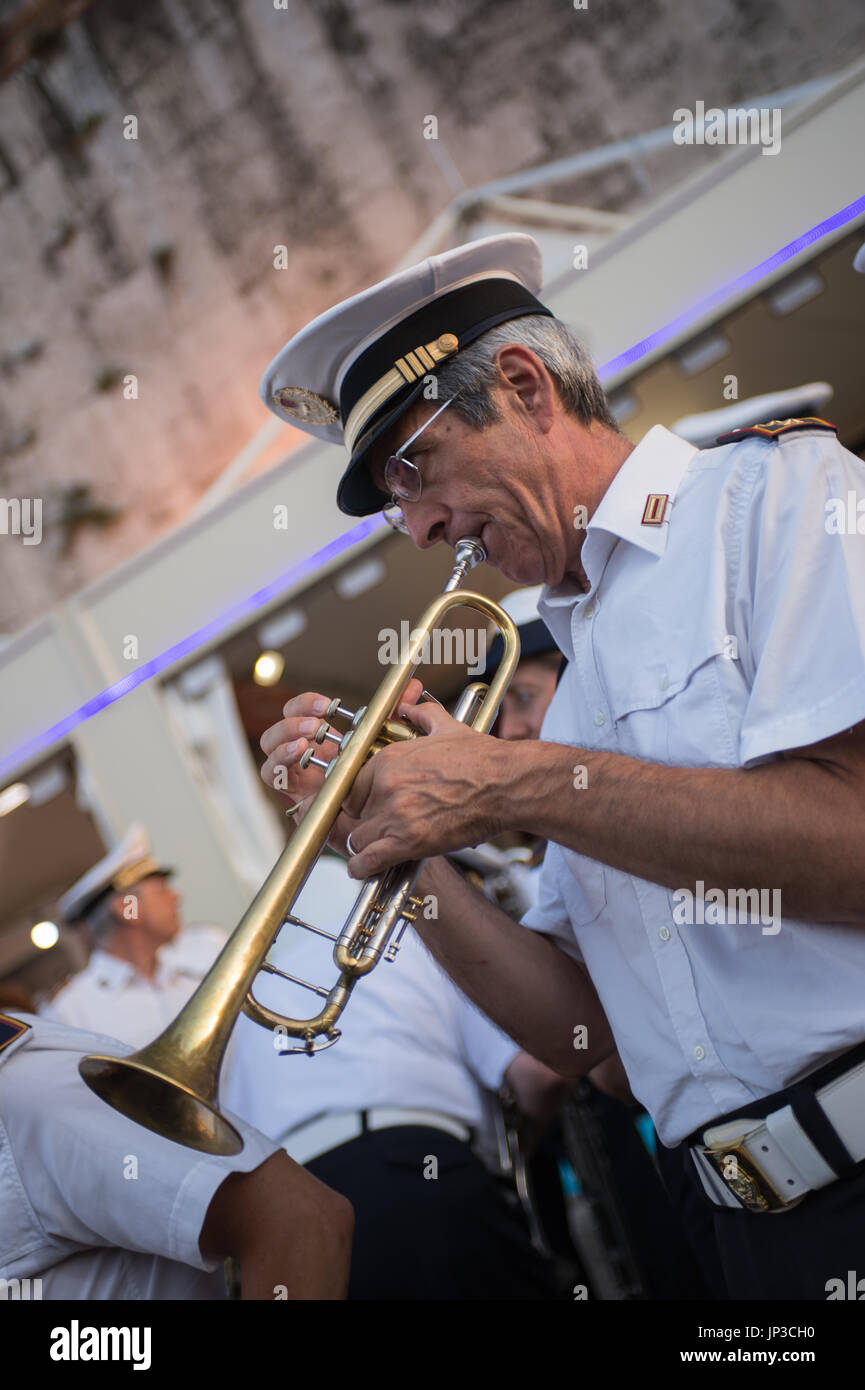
189	644
750	277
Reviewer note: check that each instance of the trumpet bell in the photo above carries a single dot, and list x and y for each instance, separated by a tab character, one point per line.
160	1102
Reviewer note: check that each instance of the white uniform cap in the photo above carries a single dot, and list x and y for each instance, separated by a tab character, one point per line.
704	429
349	375
522	605
127	864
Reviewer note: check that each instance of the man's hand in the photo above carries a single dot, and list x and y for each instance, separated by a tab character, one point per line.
285	744
538	1091
425	797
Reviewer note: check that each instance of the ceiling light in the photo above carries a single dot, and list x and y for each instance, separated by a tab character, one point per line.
358	578
14	796
45	935
703	352
268	668
795	291
281	628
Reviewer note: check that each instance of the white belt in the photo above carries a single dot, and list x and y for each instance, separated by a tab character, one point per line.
327	1132
771	1164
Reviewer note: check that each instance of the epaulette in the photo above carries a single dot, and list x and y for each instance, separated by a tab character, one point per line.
773	428
10	1029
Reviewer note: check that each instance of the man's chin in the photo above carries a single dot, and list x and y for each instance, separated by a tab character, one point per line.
519	571
519	568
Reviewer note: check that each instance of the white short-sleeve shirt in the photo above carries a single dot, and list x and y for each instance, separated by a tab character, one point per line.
95	1206
729	633
109	995
410	1038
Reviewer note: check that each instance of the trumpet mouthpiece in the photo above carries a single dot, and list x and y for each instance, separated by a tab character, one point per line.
469	552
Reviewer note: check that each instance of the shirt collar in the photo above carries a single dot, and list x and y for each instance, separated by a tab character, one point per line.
112	972
655	466
653	469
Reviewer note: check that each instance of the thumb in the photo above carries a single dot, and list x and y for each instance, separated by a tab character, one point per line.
429	717
412	692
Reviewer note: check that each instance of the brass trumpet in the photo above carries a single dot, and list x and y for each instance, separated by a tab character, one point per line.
171	1086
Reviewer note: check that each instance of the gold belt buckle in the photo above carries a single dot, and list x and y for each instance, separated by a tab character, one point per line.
743	1175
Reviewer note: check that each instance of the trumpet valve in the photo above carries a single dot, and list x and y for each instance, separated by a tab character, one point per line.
336	707
308	759
408	914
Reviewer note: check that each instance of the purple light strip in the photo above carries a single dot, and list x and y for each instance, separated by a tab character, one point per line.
142	673
366	527
684	320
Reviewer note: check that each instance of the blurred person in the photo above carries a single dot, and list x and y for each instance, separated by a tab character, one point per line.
394	1116
143	966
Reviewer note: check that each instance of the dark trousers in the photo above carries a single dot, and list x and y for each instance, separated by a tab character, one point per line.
790	1254
695	1221
430	1221
794	1253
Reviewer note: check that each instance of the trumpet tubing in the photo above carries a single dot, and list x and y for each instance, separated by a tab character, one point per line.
171	1085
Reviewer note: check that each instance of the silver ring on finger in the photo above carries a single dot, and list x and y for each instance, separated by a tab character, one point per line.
349	846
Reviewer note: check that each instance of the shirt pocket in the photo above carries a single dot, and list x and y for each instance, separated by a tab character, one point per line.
582	884
22	1232
677	712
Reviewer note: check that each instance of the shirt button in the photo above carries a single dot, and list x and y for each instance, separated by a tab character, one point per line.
589	612
699	1052
664	933
665	682
600	717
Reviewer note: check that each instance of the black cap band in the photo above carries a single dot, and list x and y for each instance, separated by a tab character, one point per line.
467	312
535	640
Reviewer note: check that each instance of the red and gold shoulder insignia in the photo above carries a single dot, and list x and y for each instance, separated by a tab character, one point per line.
773	428
10	1029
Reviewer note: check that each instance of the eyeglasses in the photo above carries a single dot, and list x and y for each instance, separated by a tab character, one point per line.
403	477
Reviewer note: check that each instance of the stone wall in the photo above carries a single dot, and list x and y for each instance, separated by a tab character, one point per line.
261	124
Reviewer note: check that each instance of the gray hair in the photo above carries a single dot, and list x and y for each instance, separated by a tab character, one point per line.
101	920
473	371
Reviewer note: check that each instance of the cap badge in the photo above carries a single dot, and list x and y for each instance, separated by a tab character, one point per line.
653	512
306	405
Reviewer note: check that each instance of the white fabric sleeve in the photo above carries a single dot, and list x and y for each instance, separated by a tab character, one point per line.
486	1049
92	1176
549	914
799	600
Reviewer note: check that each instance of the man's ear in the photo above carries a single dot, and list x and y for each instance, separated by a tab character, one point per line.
523	373
115	907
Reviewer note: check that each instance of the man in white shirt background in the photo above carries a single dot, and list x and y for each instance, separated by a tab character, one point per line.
145	964
391	1115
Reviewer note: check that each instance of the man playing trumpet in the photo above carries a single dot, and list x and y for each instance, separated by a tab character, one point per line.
706	741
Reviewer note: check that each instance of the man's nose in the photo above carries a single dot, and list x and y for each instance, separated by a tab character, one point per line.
426	523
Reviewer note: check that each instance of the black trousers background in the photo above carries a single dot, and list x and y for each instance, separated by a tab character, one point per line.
791	1254
460	1235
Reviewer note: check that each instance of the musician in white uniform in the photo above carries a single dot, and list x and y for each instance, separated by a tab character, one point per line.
701	779
391	1115
93	1206
144	966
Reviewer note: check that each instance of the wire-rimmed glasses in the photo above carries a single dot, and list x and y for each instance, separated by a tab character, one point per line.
403	478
